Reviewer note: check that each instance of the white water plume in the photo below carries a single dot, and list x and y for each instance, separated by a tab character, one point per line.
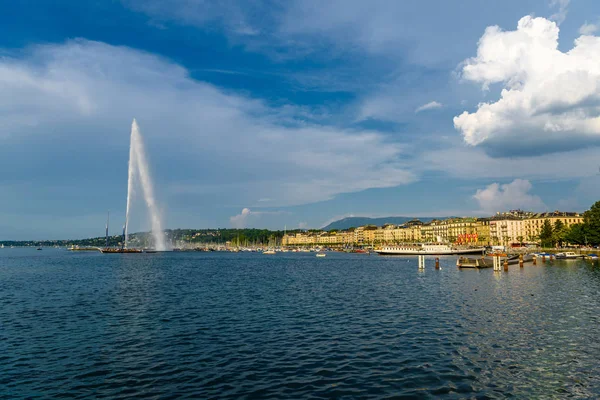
139	171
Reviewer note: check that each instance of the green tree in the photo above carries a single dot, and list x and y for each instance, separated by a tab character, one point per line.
546	238
591	222
575	234
520	239
558	232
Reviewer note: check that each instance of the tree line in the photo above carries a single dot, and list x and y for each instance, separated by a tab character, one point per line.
586	233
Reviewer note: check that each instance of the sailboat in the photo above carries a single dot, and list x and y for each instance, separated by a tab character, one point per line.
270	249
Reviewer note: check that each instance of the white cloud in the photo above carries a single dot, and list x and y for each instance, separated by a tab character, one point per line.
201	140
429	106
514	195
241	220
561	13
548	96
588	29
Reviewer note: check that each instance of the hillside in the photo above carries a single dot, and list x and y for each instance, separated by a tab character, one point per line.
353	222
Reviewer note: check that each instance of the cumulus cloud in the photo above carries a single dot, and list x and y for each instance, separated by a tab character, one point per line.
241	220
429	106
548	96
514	195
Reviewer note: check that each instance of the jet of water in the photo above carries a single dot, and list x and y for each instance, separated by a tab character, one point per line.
138	168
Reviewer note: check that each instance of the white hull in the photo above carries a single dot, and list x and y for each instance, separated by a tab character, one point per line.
427	251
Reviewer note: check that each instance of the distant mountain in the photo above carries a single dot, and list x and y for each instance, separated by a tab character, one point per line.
354	222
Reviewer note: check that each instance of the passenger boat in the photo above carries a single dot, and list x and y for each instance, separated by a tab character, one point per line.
428	249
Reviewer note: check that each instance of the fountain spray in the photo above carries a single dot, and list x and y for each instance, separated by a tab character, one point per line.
139	170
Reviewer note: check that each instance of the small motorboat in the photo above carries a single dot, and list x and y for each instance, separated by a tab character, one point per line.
569	255
592	257
321	254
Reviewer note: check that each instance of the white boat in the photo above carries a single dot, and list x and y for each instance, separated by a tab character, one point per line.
428	249
269	252
569	255
321	254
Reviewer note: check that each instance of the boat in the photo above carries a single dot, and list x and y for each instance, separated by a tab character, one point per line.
39	248
428	249
591	257
119	250
269	252
77	248
569	255
321	254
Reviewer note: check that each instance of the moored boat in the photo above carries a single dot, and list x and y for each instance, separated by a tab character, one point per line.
428	249
569	255
119	250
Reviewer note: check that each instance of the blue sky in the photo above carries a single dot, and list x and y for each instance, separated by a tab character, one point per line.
272	114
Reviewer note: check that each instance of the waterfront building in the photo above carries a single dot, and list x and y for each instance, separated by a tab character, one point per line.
505	228
534	223
388	233
409	232
482	230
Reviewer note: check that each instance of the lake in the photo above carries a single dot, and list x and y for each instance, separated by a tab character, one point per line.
291	325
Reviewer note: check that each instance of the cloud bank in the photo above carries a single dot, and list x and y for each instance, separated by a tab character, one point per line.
549	97
66	111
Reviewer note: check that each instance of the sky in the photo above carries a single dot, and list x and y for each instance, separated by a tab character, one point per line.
293	114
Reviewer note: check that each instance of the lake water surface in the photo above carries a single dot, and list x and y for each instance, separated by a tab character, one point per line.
245	325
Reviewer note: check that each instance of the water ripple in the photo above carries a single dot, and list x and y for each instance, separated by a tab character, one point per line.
235	326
